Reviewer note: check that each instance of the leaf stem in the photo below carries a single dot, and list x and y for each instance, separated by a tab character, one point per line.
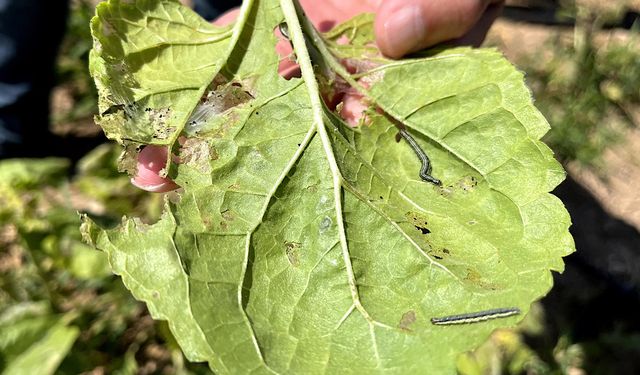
304	60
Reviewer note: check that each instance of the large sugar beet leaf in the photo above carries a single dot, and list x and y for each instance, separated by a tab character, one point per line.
298	244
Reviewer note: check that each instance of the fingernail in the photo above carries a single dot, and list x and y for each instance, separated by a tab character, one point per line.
405	29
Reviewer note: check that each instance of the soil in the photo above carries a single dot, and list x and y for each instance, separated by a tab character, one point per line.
615	187
598	294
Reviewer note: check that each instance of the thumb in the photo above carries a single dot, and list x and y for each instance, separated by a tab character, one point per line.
404	26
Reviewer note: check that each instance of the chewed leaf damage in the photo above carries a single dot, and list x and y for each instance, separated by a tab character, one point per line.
215	101
295	235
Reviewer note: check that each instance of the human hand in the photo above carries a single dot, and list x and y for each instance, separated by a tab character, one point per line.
401	26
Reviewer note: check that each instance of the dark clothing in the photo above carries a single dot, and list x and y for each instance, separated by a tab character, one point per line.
30	34
211	9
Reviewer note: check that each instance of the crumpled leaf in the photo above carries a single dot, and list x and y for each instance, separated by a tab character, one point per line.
300	245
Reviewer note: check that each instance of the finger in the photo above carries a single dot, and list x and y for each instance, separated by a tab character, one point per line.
151	160
324	15
353	107
327	13
227	17
404	26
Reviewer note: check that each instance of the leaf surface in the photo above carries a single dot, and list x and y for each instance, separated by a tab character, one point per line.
31	345
300	245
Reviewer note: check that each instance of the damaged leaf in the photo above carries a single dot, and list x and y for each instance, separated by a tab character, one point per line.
298	244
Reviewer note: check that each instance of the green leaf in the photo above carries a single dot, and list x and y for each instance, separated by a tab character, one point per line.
35	345
21	325
21	185
86	263
149	62
29	173
354	38
300	245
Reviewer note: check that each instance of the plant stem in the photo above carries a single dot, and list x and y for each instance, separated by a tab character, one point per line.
304	60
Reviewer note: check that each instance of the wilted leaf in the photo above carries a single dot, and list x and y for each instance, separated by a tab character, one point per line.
300	245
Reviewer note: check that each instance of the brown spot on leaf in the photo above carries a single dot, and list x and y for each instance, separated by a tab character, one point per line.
292	250
423	229
197	153
207	222
419	221
468	183
445	191
312	188
474	277
439	253
128	160
219	98
159	118
407	320
227	215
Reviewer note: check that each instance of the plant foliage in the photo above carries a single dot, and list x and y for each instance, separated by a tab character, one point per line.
298	244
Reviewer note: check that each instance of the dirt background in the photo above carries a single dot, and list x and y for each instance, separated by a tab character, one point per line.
599	292
619	191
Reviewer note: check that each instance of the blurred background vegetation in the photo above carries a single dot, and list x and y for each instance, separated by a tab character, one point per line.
62	311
